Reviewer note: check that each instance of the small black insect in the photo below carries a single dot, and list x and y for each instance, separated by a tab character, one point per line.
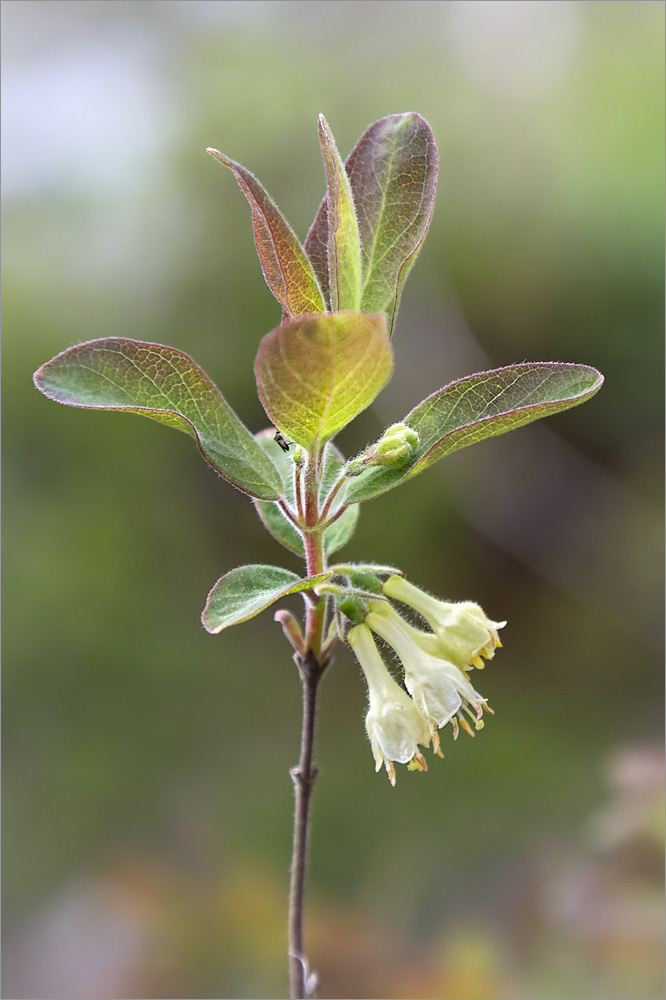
279	439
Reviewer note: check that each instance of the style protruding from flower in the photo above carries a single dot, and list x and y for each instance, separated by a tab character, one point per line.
394	724
435	663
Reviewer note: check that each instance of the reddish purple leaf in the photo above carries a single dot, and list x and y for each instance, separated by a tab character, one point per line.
286	266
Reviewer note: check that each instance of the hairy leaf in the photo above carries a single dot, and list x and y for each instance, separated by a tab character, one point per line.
165	384
344	248
244	592
279	525
481	406
287	269
272	517
392	172
316	373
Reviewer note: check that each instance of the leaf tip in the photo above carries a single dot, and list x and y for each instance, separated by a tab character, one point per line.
324	127
217	155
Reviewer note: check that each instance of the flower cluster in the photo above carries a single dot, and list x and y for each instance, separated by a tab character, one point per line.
435	663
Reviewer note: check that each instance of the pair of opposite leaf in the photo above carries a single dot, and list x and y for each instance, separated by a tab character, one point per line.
367	231
331	355
370	235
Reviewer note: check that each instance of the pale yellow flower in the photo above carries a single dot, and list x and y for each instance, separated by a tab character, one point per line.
439	688
394	724
464	633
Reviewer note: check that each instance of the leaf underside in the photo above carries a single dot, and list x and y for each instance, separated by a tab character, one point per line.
392	173
316	373
245	592
481	406
278	524
166	385
285	264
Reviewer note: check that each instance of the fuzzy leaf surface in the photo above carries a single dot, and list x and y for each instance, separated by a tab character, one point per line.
244	592
316	373
392	172
285	264
478	407
166	385
344	248
279	525
275	522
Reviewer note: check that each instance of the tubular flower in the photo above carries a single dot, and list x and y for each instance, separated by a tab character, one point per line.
440	689
464	633
394	724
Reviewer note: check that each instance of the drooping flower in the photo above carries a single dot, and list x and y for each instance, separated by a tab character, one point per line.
394	724
440	689
464	633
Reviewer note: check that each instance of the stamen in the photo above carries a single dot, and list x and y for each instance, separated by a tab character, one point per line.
390	770
454	723
466	726
435	745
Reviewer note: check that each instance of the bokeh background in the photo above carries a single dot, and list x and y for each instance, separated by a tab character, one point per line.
147	801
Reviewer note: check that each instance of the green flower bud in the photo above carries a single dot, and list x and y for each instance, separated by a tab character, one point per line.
354	608
405	433
365	580
394	449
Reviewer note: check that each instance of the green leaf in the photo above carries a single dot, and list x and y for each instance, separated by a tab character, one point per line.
166	385
316	373
271	515
481	406
279	525
244	592
392	172
344	248
287	269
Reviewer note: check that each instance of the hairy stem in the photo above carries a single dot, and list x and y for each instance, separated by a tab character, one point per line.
331	496
289	513
298	487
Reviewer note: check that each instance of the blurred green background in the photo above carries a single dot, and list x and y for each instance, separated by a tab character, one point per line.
147	802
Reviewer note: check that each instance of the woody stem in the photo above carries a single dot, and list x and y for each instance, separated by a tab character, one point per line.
303	777
311	665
